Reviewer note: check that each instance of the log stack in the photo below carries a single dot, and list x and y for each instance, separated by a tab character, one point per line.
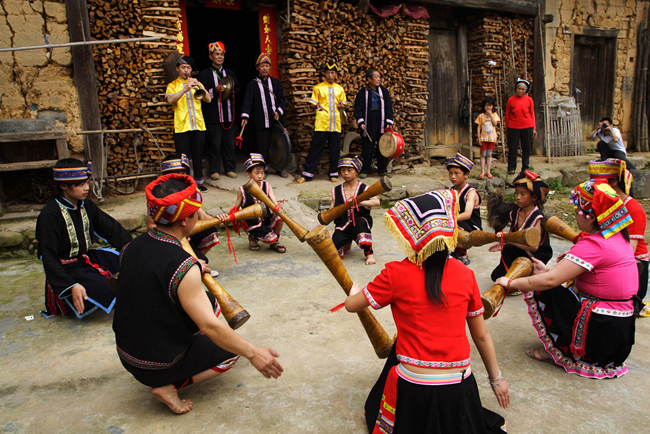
396	46
131	80
489	40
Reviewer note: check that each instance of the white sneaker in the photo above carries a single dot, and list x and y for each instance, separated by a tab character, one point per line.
214	273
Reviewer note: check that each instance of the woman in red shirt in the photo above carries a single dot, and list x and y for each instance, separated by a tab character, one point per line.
432	297
520	121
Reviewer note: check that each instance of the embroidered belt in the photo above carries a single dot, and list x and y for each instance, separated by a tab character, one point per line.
579	332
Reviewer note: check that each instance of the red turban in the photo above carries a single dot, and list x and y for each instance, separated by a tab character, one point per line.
175	206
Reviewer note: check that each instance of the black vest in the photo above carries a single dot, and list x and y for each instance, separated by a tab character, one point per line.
152	331
544	252
474	222
345	219
248	200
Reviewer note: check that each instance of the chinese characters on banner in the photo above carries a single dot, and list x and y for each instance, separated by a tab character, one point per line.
182	45
269	37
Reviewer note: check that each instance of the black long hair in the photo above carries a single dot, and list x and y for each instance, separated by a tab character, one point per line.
434	266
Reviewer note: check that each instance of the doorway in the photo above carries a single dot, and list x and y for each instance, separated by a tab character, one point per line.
593	73
239	32
447	57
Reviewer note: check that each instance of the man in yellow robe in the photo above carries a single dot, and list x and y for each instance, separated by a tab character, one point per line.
327	97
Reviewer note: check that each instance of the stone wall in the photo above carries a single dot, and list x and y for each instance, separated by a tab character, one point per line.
38	83
621	15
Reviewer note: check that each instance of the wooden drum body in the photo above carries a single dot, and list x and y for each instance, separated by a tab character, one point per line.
391	145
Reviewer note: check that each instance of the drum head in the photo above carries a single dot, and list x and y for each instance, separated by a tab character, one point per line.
229	83
387	145
279	148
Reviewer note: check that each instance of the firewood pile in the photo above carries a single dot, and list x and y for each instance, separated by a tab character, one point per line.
131	79
397	47
507	41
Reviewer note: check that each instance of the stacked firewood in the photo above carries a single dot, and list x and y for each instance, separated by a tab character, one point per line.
500	51
131	80
395	46
489	40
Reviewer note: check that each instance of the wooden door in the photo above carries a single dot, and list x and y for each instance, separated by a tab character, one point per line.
593	73
442	127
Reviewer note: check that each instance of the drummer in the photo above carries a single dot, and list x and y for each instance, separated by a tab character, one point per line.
373	110
328	98
219	114
265	102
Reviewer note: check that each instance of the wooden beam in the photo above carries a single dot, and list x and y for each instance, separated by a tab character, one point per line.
11	167
32	135
85	81
524	7
539	81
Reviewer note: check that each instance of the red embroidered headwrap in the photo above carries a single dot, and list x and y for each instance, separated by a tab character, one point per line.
216	46
597	197
175	206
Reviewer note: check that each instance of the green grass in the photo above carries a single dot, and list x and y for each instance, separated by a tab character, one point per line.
558	187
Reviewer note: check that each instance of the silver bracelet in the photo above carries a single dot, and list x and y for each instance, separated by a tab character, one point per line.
494	382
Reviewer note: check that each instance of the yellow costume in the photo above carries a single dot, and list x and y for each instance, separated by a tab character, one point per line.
187	111
328	96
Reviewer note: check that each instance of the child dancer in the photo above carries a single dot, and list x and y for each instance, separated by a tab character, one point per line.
356	223
266	230
469	200
530	195
76	275
203	241
487	137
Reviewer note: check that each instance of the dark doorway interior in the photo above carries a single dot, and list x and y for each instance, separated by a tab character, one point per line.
239	32
593	72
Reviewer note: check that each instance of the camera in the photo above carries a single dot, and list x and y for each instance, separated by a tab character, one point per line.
604	126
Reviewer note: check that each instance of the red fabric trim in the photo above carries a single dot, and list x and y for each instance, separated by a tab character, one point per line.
388	408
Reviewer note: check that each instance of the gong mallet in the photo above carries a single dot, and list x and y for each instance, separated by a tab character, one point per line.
379	187
557	227
256	191
234	313
239	140
493	297
255	211
527	237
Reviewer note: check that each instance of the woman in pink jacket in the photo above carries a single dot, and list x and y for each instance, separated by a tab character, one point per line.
520	121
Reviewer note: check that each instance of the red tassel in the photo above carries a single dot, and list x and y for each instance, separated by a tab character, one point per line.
355	206
277	208
235	226
337	307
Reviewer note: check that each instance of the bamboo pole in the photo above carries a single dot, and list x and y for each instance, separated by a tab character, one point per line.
75	44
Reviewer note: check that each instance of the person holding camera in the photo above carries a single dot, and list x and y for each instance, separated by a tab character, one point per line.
610	142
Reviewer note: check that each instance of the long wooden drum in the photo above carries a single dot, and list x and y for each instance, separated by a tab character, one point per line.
391	144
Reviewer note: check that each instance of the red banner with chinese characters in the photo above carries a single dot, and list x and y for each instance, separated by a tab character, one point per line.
224	4
182	45
269	37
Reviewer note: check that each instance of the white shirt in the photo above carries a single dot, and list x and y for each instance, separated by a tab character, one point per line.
615	146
